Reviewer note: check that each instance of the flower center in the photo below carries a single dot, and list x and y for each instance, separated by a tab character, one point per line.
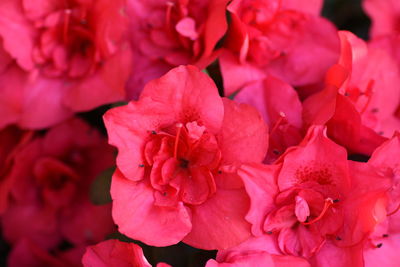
66	45
184	163
181	161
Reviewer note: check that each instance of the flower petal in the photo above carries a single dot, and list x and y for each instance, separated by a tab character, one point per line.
138	218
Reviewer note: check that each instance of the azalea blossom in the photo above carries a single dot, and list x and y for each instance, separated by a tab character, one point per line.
289	41
174	147
52	175
360	99
382	248
314	203
12	139
62	57
166	34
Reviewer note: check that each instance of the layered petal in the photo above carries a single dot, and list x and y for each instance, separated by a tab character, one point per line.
218	223
114	253
137	216
244	134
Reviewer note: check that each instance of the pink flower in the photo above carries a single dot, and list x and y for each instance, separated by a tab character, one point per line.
360	99
52	175
174	146
277	37
60	58
314	203
12	140
166	34
382	250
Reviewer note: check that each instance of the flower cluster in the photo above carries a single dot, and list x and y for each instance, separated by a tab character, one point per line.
254	128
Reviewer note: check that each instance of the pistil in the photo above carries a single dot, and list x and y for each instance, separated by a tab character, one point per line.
179	129
280	121
368	94
328	203
67	16
393	212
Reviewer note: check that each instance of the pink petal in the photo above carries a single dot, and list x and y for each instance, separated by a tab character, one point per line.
105	86
305	6
260	184
387	255
17	33
332	256
216	16
237	75
312	160
188	94
138	218
219	222
114	253
43	105
187	28
244	134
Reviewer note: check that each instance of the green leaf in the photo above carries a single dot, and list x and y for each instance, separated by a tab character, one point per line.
100	188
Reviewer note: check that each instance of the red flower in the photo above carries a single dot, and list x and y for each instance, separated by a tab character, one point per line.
12	140
382	250
174	144
52	175
277	37
166	34
315	203
114	253
60	57
360	99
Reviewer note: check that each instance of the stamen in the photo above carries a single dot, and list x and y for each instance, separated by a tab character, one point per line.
179	126
170	5
328	203
280	121
368	94
67	15
379	245
393	212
